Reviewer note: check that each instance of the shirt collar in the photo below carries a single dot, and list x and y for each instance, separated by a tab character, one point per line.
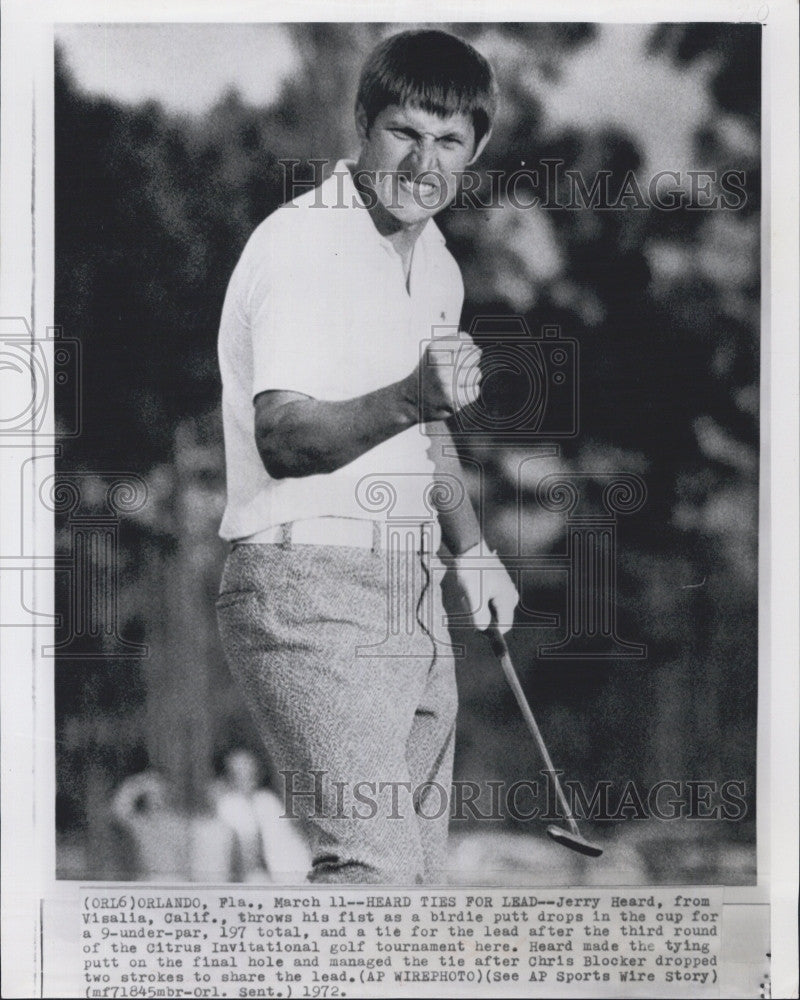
344	188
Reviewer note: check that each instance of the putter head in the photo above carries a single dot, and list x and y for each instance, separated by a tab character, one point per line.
573	841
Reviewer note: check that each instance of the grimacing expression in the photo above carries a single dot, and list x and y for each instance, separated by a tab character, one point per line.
415	157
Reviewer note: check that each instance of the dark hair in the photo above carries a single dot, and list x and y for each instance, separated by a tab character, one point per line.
431	70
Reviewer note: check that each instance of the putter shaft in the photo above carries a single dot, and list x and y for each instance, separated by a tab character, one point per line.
501	651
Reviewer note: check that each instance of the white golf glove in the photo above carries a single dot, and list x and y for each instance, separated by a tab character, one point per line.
481	577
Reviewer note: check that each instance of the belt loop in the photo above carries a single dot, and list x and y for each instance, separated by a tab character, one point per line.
285	540
377	532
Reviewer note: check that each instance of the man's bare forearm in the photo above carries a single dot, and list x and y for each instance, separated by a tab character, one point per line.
461	529
300	436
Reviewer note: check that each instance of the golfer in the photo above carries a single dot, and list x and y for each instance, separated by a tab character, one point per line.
341	359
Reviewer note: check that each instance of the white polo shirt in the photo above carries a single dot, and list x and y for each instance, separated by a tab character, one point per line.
318	305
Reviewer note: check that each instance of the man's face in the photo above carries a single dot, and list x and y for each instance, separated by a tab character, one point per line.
415	157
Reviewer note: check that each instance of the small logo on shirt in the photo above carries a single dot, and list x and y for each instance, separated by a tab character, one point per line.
442	315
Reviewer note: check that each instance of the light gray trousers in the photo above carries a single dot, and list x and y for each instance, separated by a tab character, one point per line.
354	699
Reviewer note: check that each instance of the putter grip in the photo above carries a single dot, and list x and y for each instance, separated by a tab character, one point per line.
496	641
494	635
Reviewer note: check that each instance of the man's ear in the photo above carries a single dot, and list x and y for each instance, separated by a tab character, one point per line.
480	147
362	125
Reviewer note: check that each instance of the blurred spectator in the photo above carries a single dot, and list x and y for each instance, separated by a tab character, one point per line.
171	845
270	847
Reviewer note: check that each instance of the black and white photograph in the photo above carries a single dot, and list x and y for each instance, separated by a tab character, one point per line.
257	356
402	452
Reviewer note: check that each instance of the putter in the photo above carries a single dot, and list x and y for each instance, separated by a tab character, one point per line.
570	838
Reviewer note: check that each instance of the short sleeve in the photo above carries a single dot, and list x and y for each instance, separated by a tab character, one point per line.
288	309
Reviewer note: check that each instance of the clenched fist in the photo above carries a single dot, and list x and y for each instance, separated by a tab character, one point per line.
447	379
